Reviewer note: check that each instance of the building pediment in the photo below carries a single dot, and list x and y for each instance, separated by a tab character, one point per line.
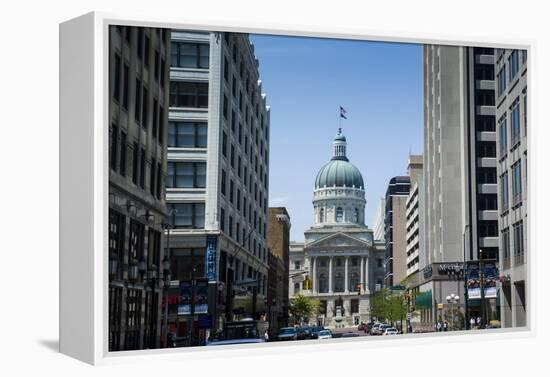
338	240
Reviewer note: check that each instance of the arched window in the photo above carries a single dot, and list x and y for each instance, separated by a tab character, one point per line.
322	215
356	216
339	215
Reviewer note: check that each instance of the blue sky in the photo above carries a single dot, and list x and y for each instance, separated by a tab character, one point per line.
306	80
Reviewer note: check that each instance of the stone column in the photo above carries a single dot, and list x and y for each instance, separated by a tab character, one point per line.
362	266
367	288
313	275
330	274
346	282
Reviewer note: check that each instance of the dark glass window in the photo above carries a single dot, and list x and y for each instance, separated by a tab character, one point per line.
190	55
123	152
116	80
486	175
186	175
188	94
188	215
125	87
187	134
514	118
137	111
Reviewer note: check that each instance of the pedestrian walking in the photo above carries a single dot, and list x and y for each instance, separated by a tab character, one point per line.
472	323
445	325
438	326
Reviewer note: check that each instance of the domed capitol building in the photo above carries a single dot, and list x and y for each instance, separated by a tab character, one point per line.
338	263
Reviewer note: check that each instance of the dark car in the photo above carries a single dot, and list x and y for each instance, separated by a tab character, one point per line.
287	333
315	331
304	332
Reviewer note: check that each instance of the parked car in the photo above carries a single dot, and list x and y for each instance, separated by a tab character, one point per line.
369	326
324	334
379	328
287	333
390	331
304	332
374	328
315	331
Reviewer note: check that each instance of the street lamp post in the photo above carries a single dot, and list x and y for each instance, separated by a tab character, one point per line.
167	276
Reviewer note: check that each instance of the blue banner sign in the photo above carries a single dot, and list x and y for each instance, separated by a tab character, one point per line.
210	255
490	276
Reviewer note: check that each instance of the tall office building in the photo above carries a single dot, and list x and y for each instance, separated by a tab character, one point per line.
278	241
395	231
217	176
378	220
511	114
459	168
138	77
414	212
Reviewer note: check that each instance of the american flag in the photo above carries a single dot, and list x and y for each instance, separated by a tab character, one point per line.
343	113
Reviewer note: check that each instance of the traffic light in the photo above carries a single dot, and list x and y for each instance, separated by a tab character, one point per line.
359	289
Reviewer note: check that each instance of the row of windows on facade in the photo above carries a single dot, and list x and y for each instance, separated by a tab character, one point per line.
142	244
195	94
259	198
235	161
245	114
516	187
339	215
245	238
121	87
143	50
135	336
237	135
244	74
119	149
515	126
519	247
513	69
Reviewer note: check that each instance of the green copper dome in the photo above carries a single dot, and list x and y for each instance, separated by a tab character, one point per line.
339	173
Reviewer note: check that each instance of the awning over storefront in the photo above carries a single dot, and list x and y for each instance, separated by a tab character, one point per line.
424	300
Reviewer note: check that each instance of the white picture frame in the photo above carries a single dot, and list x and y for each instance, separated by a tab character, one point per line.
84	187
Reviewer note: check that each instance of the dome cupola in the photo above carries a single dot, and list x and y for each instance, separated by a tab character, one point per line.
339	171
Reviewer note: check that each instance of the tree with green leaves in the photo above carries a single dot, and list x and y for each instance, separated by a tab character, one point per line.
388	306
302	308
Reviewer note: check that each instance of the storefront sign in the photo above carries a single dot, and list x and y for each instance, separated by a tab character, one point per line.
210	255
490	276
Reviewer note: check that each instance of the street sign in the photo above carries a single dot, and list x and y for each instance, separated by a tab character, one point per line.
440	306
210	256
409	316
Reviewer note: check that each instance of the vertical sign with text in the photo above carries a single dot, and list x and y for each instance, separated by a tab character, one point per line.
211	259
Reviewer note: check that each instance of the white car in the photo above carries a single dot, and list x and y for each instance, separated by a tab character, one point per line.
324	334
390	331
